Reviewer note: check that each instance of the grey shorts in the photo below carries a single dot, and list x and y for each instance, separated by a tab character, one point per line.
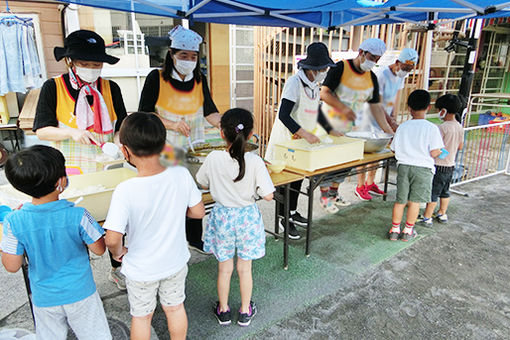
414	183
86	318
142	294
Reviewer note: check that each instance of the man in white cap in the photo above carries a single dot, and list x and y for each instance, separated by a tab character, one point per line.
391	80
345	91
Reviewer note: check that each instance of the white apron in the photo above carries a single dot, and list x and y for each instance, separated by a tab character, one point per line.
305	113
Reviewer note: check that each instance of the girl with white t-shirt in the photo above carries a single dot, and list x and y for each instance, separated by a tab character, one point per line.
235	179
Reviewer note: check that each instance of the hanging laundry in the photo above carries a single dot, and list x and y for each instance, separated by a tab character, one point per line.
20	67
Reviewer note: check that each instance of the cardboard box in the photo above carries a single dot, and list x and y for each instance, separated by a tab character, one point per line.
300	154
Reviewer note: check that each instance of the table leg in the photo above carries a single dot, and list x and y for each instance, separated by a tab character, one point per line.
311	187
24	270
386	175
276	216
286	232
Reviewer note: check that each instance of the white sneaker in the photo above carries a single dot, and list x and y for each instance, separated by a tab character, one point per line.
442	218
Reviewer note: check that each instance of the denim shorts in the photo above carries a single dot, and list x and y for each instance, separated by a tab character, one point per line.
441	182
235	229
414	184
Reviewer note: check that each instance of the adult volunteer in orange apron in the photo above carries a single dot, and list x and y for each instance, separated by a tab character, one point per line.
79	110
299	116
179	94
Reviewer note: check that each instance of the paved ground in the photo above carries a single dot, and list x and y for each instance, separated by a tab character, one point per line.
451	284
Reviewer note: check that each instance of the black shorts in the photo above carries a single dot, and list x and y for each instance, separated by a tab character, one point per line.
441	182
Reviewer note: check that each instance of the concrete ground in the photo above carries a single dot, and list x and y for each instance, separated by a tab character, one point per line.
451	284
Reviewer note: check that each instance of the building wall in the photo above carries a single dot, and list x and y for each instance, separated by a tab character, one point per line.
51	30
219	50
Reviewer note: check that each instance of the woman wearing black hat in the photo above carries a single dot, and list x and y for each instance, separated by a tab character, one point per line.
78	111
299	114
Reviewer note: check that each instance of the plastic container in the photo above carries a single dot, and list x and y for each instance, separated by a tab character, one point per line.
444	153
97	203
300	154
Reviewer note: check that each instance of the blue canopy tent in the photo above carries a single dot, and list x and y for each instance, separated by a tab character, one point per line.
284	13
310	13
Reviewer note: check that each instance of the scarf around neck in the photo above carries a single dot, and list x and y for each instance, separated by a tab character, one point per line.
95	116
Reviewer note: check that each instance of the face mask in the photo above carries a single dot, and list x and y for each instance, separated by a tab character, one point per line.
402	73
88	75
321	76
185	67
367	65
442	114
60	187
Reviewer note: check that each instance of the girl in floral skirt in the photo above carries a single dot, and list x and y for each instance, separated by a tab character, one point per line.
235	179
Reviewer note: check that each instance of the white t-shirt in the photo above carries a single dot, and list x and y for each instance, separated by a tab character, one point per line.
219	171
413	142
389	85
151	211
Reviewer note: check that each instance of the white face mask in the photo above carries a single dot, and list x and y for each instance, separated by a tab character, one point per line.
185	67
88	75
402	73
442	114
320	76
367	65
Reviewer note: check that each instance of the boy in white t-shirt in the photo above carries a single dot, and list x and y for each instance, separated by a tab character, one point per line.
151	210
416	143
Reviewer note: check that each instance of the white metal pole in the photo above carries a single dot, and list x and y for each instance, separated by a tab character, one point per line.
135	45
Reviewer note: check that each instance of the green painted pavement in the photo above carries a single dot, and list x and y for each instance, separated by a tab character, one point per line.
344	245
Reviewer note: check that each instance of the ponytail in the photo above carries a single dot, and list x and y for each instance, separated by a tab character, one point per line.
236	151
237	125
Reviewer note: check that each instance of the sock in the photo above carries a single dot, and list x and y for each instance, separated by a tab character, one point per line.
324	192
409	226
292	212
395	225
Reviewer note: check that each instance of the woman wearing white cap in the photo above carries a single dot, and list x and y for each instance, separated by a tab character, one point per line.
179	94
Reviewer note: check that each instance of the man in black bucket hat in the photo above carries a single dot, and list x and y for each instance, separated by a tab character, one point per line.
78	111
299	114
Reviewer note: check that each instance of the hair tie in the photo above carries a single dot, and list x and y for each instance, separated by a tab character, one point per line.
239	128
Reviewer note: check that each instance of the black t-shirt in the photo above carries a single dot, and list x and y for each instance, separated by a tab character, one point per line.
150	92
46	113
335	74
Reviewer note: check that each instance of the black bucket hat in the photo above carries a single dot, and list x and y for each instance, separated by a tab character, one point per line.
317	57
84	45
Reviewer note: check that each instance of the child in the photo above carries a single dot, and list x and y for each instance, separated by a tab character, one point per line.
151	209
416	143
55	235
453	137
235	223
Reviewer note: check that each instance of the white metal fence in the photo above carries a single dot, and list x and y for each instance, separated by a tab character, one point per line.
486	153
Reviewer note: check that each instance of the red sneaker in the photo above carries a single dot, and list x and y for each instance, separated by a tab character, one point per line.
362	193
374	189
